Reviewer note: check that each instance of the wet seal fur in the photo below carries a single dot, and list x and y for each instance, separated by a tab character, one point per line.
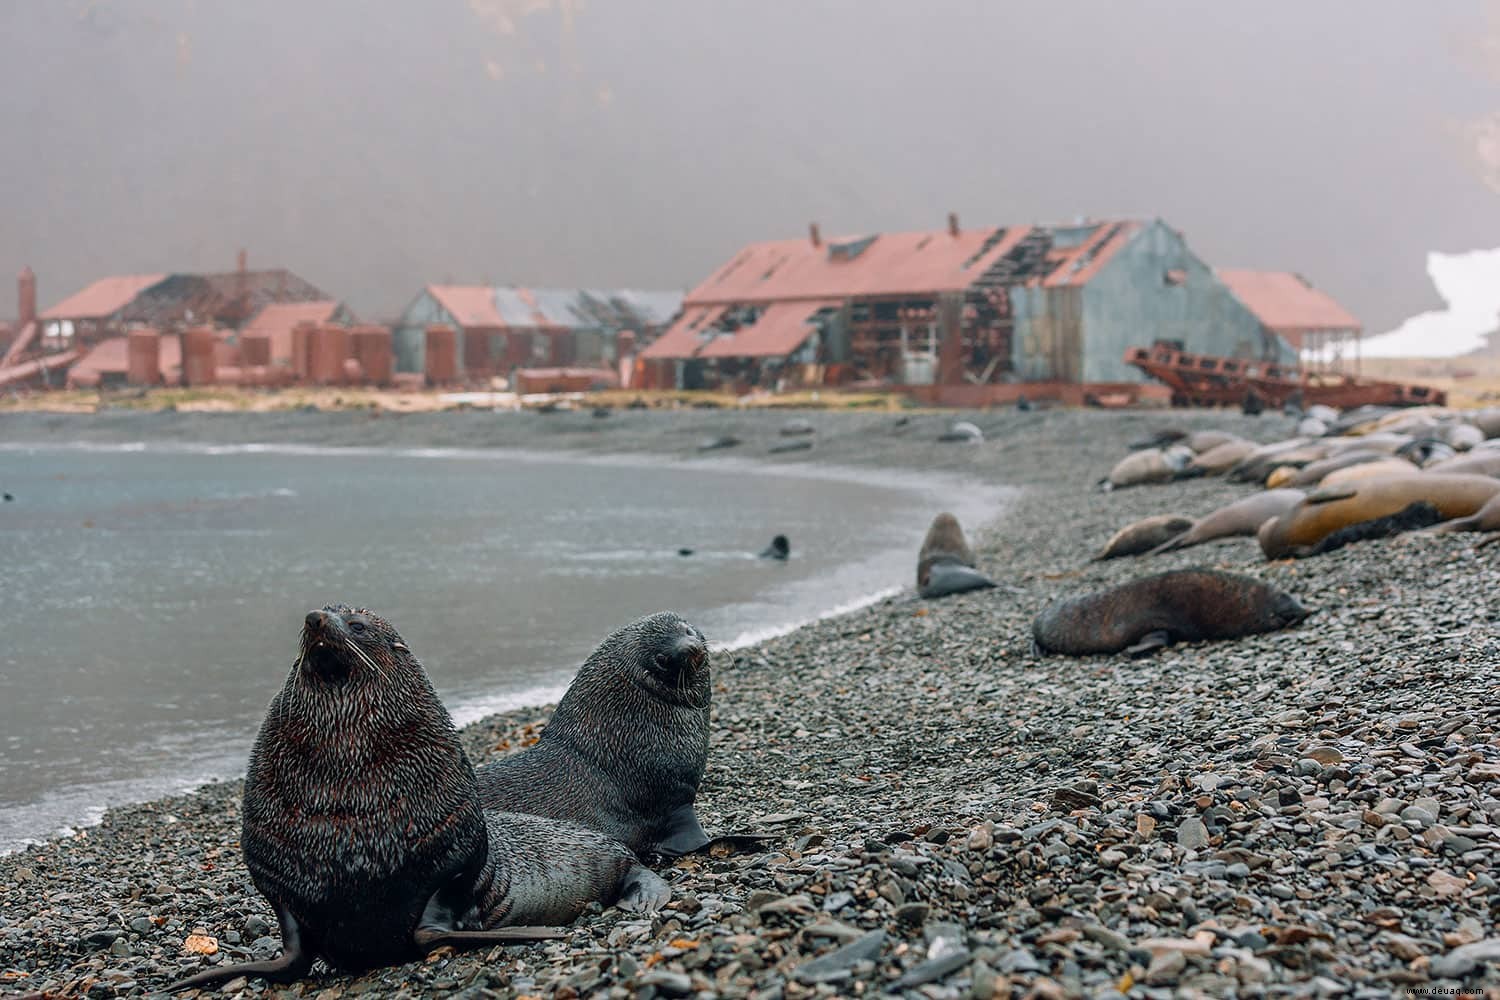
1144	615
779	548
625	751
946	563
362	826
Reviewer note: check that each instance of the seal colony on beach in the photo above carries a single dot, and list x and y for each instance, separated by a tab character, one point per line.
363	828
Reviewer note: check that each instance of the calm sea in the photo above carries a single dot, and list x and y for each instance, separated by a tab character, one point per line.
153	593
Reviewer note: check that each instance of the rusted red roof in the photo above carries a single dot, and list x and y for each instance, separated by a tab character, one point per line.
780	329
1075	265
879	264
104	297
682	340
469	305
1287	302
276	320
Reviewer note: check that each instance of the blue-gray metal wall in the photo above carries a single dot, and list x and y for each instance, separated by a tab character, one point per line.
409	337
1081	334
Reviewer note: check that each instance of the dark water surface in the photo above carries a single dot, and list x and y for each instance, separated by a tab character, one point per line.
152	594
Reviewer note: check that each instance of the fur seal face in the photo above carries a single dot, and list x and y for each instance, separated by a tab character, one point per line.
668	658
340	643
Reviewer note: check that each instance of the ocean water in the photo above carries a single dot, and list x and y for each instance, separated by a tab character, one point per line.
153	594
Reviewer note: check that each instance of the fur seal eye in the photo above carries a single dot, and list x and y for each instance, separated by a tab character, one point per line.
661	660
357	627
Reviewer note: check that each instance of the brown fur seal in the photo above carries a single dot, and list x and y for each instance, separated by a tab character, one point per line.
1144	535
1144	615
362	825
946	563
1331	508
624	752
1242	518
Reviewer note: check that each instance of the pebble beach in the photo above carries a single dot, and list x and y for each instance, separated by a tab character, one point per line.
1312	812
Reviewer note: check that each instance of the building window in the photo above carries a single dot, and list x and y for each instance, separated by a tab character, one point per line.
1174	277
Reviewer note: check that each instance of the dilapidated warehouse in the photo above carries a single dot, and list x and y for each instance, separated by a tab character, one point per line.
501	328
956	315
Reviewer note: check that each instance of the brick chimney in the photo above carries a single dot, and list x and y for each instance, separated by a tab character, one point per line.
952	223
814	235
25	297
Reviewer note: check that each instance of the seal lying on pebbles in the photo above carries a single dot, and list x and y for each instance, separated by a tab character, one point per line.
1144	535
1331	508
362	824
962	431
1242	518
716	443
1182	605
1150	465
946	563
1221	458
625	750
1486	518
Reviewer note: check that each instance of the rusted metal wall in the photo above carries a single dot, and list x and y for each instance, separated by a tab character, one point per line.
198	361
143	357
1046	344
440	354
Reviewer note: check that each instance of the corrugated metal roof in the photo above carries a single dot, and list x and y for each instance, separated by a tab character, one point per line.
681	340
104	297
884	264
779	330
1287	302
276	320
1077	264
557	308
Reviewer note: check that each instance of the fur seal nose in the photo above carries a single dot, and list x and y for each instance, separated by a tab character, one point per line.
316	620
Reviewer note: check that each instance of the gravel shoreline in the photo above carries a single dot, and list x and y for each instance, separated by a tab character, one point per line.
1310	812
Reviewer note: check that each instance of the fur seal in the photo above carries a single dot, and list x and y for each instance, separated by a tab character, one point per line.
1183	605
625	750
946	563
1242	518
1149	465
1144	535
362	826
779	548
1330	508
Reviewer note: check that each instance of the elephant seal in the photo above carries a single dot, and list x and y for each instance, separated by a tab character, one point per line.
363	830
1242	518
1486	518
1312	473
624	752
1221	458
1201	441
1255	466
1330	508
1483	462
1144	615
1143	536
1369	470
779	548
962	431
946	563
1160	439
1149	465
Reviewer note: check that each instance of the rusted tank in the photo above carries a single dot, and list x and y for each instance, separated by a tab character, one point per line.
199	360
327	349
442	355
143	357
371	347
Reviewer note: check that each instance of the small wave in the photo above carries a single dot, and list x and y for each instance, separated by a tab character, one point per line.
472	708
755	636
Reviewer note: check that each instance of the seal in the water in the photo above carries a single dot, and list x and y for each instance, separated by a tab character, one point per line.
363	830
1182	605
1242	518
779	548
625	750
1331	508
715	443
946	563
1144	535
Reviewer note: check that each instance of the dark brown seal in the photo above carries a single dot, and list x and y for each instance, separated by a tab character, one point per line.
362	824
1183	605
946	563
624	752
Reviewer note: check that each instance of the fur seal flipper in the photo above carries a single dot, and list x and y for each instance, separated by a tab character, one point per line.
625	751
944	578
362	825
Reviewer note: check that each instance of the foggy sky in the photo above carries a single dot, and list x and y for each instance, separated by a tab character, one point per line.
376	145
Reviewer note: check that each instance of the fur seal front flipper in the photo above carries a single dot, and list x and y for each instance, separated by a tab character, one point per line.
946	578
1150	643
681	834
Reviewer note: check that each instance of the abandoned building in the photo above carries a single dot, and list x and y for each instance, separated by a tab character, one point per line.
955	315
1324	333
499	329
